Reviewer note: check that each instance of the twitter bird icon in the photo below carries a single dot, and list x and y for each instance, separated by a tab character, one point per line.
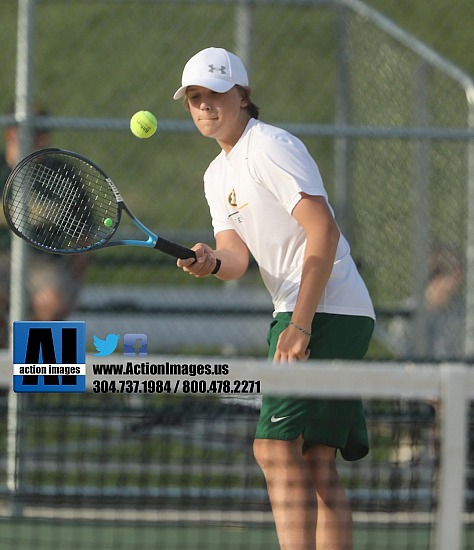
107	346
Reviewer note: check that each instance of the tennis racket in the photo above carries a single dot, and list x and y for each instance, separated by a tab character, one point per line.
61	202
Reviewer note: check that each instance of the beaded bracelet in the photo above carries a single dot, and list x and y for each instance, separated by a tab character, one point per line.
302	329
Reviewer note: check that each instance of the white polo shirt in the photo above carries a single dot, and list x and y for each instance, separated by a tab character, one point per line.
253	191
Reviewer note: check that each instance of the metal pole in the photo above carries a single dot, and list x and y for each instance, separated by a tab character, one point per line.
454	398
243	32
421	215
342	144
469	318
19	252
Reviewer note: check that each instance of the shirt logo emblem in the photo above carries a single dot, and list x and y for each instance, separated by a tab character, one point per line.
232	198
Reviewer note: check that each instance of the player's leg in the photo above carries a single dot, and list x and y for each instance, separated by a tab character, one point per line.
334	526
294	479
291	492
309	504
335	424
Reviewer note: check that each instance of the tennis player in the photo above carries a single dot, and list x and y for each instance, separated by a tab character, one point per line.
266	197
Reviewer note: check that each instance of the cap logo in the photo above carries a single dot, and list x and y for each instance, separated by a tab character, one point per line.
222	69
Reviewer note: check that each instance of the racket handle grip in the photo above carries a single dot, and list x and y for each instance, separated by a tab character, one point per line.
174	249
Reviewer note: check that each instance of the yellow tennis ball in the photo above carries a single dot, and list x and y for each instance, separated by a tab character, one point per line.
143	124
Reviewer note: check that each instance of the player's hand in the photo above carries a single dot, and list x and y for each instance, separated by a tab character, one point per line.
292	345
203	265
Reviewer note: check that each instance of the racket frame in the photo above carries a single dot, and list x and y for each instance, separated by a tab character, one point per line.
153	240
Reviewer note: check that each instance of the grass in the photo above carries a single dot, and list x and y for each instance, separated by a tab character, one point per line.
434	22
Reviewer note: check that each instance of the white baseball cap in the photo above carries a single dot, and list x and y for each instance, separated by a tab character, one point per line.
213	68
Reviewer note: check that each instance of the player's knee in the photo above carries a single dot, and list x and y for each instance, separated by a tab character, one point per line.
264	454
259	452
272	454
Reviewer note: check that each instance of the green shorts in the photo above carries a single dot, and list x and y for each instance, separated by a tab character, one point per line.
333	422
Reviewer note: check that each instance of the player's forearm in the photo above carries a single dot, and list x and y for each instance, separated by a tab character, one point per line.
322	238
318	263
233	254
233	264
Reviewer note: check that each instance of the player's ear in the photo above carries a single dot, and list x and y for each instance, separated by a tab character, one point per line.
244	93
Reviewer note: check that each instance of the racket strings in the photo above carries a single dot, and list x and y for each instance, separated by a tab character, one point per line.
72	216
60	202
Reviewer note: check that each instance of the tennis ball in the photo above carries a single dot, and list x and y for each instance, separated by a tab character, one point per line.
108	222
143	124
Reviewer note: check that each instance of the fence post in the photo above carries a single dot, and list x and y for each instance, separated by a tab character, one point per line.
342	144
421	213
469	320
19	251
243	32
453	437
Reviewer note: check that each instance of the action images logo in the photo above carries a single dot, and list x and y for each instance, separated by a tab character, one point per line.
49	357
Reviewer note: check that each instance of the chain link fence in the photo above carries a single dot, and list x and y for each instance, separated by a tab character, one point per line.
386	118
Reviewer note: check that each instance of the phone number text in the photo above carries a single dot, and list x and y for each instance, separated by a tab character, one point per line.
177	386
